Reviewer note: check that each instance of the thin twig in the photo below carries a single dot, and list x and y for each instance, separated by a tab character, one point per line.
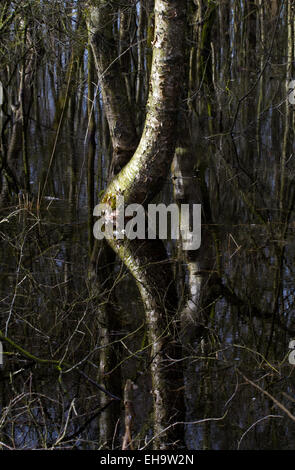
254	424
185	423
276	402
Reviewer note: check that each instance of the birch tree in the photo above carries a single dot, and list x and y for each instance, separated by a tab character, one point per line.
145	169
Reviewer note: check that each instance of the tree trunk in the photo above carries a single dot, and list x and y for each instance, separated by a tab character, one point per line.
139	181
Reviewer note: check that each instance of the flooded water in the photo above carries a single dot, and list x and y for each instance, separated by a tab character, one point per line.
238	382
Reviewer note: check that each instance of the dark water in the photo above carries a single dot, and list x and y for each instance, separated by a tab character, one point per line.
48	308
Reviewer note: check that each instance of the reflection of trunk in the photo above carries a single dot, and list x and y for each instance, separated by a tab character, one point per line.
139	181
190	188
207	18
116	105
274	8
147	261
20	112
126	20
65	96
91	149
101	280
261	83
140	57
129	415
224	34
110	353
285	189
249	40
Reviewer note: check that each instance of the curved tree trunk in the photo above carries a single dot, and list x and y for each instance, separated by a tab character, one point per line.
143	176
139	181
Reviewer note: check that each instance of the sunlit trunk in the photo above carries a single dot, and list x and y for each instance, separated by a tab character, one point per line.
139	181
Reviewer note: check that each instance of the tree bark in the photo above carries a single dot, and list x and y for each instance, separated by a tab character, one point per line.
143	176
139	181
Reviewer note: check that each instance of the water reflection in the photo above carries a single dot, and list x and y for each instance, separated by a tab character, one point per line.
243	172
